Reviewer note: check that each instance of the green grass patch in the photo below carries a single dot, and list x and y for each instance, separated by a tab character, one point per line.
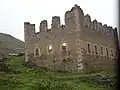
40	79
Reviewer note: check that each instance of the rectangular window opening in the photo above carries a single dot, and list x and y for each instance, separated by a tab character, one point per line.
89	51
101	50
112	53
37	51
96	50
107	52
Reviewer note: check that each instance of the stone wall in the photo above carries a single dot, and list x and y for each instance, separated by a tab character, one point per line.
77	33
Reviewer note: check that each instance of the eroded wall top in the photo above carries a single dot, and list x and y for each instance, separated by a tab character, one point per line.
71	20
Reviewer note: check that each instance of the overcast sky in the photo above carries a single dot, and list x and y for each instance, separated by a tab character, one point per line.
13	13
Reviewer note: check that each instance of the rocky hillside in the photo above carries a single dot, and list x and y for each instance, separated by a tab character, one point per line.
10	44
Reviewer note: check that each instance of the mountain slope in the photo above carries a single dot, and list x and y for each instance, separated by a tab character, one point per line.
10	44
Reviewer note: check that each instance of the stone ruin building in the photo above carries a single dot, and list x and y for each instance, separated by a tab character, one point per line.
81	45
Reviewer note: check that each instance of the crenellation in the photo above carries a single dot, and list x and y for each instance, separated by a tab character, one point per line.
33	26
78	8
75	7
109	31
87	21
70	20
112	32
43	26
56	22
29	30
116	39
111	28
115	32
99	27
95	25
104	29
26	23
67	18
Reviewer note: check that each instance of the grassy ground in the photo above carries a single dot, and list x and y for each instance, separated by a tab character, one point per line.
40	79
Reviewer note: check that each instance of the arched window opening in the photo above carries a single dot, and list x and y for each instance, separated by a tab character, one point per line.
112	53
37	52
50	49
107	52
64	47
80	66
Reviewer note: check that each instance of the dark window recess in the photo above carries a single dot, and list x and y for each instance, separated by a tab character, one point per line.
63	48
111	52
116	54
89	51
101	50
86	26
96	50
54	61
107	52
78	42
37	52
49	51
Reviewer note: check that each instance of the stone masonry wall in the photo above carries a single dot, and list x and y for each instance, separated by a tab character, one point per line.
77	33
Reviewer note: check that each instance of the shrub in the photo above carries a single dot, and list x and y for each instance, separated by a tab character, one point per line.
47	84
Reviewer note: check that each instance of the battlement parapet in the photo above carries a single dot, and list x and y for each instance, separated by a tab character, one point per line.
72	20
97	26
